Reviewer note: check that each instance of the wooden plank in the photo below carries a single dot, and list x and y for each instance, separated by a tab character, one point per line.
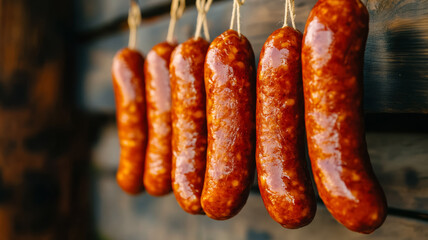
396	76
399	161
119	216
95	13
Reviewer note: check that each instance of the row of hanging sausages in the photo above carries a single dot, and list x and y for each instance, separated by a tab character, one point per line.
211	118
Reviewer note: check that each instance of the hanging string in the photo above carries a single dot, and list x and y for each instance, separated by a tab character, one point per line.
177	9
289	7
236	11
134	20
203	6
286	14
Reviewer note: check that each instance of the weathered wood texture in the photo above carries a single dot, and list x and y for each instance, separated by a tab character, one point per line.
399	161
43	157
396	76
95	13
119	216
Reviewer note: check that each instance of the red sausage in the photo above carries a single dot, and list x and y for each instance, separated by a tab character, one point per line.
332	61
189	126
157	172
230	88
128	84
284	181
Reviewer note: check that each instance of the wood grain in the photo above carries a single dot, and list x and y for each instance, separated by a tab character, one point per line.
396	76
119	216
399	161
95	13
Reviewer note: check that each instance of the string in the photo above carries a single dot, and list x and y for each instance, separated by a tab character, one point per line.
289	7
134	20
203	7
236	11
286	13
177	9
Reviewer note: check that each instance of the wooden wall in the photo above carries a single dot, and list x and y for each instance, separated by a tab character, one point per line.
43	147
396	103
399	160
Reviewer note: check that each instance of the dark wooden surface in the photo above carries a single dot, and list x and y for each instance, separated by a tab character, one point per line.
396	73
43	151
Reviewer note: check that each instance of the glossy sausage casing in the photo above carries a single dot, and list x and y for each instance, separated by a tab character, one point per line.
283	177
189	126
157	172
128	84
230	88
332	61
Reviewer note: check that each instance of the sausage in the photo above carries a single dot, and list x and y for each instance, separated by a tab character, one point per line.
230	88
189	127
157	171
128	84
332	61
284	182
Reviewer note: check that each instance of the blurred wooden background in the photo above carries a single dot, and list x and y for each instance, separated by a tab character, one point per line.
44	147
58	140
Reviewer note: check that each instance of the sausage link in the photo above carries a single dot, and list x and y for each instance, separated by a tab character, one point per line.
128	84
332	61
230	88
189	126
283	177
157	171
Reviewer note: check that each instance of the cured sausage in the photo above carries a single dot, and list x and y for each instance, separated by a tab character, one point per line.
157	172
230	88
332	61
189	126
128	84
284	182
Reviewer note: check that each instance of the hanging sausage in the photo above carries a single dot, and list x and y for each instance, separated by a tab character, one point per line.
189	135
157	171
128	84
332	60
283	177
230	85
